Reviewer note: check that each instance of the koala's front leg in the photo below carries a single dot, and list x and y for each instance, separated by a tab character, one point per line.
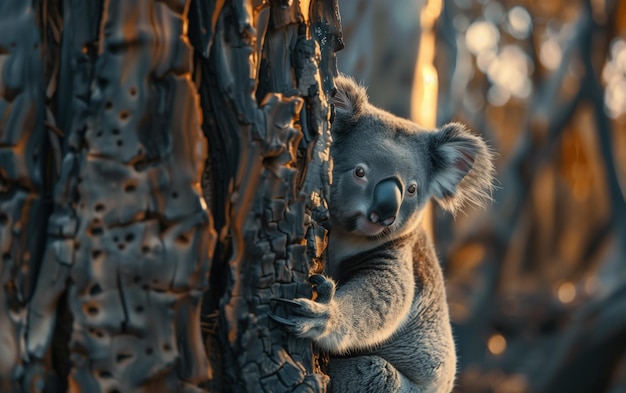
309	318
364	311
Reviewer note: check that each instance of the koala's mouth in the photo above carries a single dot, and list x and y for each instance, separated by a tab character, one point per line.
368	228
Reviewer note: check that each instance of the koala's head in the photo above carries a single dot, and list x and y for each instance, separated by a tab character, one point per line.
386	168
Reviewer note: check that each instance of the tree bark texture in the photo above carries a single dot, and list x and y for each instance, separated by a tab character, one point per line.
107	194
265	71
22	178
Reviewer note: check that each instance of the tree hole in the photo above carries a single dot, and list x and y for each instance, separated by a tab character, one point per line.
122	356
96	289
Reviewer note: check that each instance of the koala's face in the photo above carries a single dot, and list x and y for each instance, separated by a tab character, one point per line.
378	181
386	168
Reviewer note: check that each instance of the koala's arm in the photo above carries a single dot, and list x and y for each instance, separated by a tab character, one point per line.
365	310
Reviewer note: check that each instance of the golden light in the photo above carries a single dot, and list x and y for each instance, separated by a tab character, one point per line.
550	53
614	76
496	344
482	36
566	292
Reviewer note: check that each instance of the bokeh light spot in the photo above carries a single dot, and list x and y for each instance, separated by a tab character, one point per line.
496	344
481	36
520	23
550	54
566	292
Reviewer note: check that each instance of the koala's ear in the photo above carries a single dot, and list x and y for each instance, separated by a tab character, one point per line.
463	168
349	97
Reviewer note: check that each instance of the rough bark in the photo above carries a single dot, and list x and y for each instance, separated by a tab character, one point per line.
105	235
23	146
129	238
265	70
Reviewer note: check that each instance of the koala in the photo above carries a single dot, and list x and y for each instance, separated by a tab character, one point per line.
381	309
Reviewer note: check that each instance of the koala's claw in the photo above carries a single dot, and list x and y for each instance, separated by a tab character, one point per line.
282	320
324	286
306	318
287	302
317	279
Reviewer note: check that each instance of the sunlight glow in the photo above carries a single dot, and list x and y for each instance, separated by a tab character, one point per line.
482	36
614	76
550	53
509	74
496	344
566	292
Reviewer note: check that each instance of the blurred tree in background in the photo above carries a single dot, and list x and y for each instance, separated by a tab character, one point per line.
536	281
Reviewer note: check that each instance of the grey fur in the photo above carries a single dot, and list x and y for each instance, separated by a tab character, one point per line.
385	321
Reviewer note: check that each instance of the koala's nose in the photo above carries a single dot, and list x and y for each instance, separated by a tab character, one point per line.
387	200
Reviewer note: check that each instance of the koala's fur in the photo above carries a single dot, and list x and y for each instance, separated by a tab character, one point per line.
385	322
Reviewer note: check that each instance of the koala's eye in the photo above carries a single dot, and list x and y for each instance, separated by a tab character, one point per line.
359	171
411	189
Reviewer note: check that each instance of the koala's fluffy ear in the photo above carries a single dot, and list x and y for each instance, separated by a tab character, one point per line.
349	98
462	167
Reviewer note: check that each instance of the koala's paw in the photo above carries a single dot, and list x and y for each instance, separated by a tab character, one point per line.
308	318
324	286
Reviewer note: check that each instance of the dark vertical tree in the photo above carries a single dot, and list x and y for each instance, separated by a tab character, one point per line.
108	109
265	72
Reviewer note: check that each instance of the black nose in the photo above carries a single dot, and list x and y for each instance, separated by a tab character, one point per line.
387	200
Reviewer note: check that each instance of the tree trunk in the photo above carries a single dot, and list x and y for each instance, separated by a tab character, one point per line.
264	81
106	239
